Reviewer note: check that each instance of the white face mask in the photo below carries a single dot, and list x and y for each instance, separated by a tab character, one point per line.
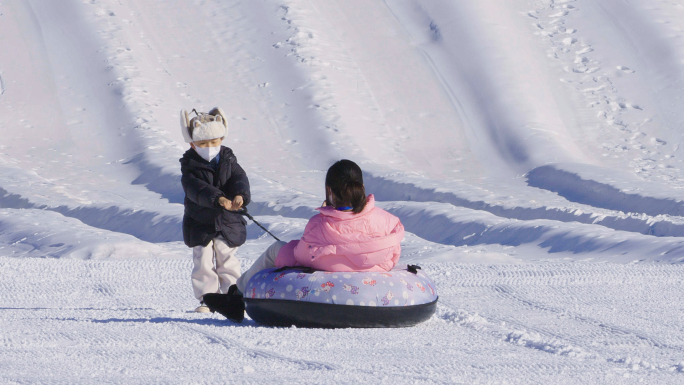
208	153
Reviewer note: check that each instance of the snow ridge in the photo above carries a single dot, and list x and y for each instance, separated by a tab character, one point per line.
574	188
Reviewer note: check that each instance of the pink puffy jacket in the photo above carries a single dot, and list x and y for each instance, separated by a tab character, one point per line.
343	241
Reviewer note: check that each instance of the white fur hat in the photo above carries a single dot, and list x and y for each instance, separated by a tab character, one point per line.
204	126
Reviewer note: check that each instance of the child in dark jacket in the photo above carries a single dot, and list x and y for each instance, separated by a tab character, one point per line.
215	188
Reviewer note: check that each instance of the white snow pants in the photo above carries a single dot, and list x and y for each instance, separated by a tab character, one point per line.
209	279
266	260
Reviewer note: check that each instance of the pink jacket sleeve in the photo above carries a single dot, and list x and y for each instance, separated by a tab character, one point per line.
312	232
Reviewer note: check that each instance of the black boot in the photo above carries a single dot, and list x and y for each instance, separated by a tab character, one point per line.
229	305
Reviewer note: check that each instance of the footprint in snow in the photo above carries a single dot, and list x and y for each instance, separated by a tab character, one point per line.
581	60
615	106
625	69
581	70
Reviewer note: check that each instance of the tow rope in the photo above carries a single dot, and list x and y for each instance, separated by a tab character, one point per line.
243	211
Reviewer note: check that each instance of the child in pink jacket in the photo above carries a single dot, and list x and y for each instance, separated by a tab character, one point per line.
349	234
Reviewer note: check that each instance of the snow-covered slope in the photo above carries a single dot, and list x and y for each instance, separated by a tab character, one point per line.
511	137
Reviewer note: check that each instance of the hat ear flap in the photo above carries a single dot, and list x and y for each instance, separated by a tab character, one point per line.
185	125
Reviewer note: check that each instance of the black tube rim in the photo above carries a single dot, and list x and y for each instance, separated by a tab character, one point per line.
285	313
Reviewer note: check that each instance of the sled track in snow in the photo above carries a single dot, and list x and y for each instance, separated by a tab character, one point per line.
230	344
579	300
593	330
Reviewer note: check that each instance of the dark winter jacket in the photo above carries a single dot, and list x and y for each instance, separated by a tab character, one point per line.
204	219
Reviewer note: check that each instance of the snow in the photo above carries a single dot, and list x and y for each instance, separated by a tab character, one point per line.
128	321
532	149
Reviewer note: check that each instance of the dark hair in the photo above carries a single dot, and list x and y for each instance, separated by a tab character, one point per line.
345	180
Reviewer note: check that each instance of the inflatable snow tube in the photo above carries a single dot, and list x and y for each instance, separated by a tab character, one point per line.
404	296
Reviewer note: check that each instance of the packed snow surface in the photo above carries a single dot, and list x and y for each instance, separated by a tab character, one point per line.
532	149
